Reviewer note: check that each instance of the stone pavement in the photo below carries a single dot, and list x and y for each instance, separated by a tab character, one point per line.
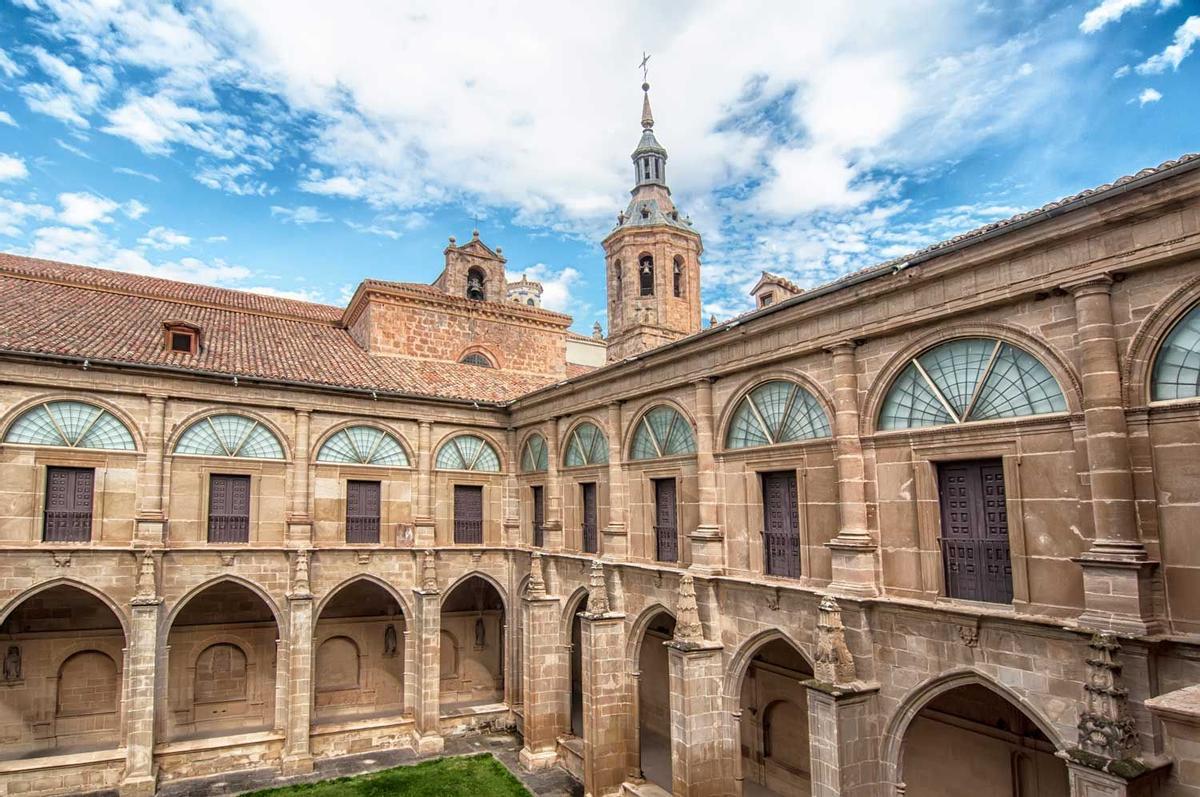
554	782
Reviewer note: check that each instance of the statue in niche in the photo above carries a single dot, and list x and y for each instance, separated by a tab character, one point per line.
389	641
12	664
480	634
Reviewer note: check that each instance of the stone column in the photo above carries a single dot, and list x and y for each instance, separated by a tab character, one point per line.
616	534
423	522
140	779
552	529
297	756
708	543
546	674
427	610
151	523
842	737
510	525
299	519
606	701
853	550
1116	570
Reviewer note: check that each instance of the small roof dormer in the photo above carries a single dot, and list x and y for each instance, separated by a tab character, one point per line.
181	337
772	289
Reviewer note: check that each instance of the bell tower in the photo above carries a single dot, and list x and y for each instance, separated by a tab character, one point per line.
652	258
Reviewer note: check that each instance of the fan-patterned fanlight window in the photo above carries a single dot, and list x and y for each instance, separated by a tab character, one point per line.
587	445
1177	366
534	458
229	436
776	412
73	424
468	452
972	379
364	445
662	432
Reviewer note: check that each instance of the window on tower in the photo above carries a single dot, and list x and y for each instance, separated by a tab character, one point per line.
475	283
646	275
677	276
646	167
620	278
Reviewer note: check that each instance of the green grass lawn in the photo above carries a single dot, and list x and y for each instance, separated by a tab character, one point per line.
443	777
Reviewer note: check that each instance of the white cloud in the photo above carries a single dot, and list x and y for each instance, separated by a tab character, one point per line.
155	123
216	239
1148	96
14	214
234	178
303	294
12	167
1186	36
74	150
84	209
374	229
301	214
6	119
164	238
71	95
135	173
9	67
134	209
1112	10
811	179
558	288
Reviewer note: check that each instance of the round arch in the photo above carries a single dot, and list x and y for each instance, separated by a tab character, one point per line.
186	423
37	589
1050	357
19	409
571	607
488	437
374	424
638	413
458	582
577	422
1137	366
740	663
169	618
891	753
323	602
725	418
498	360
633	647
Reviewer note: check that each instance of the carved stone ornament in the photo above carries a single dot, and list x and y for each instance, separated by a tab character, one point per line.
536	588
1105	727
146	583
597	590
300	581
687	613
834	663
429	571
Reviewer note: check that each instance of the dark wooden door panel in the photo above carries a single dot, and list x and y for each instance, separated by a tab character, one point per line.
68	516
588	494
362	511
781	516
975	548
539	516
228	508
666	527
468	514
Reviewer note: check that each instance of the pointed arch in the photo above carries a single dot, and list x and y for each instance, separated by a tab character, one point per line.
570	608
633	646
280	620
740	663
464	578
323	602
15	602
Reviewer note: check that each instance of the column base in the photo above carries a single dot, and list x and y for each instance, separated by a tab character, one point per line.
429	744
615	543
149	531
299	532
1117	594
708	550
1096	776
853	565
424	532
537	761
143	786
296	765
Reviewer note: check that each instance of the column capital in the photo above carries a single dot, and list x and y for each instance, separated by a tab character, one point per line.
302	410
841	347
704	380
156	397
1097	283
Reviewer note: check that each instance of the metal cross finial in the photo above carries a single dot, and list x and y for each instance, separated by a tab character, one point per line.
645	68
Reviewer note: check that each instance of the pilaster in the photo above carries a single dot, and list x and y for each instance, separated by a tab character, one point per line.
843	735
151	524
546	674
606	691
615	545
708	541
552	530
427	610
299	519
423	522
142	661
297	755
702	739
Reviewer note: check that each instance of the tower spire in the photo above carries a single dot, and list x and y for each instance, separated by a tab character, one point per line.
647	117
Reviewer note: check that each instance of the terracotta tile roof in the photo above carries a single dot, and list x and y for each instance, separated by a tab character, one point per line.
579	369
60	309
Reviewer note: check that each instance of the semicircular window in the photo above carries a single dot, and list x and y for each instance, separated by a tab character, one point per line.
662	432
468	452
586	445
73	424
364	445
534	458
477	358
229	435
1177	366
776	412
971	379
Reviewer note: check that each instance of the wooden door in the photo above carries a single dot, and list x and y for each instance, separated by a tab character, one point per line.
68	516
468	514
975	550
588	490
666	529
362	511
539	516
228	508
781	519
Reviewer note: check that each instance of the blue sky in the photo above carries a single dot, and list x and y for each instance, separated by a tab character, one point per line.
276	147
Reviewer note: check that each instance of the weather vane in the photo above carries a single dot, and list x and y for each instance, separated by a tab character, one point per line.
645	67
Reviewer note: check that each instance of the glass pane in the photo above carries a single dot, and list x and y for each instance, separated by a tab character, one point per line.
489	460
337	449
35	427
585	435
1018	385
543	456
600	449
389	452
449	458
107	432
200	439
73	418
364	438
260	444
1177	367
771	400
574	457
910	403
745	431
956	368
659	420
534	455
231	430
806	419
643	444
469	446
681	439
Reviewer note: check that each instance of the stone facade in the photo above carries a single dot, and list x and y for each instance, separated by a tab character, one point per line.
853	673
